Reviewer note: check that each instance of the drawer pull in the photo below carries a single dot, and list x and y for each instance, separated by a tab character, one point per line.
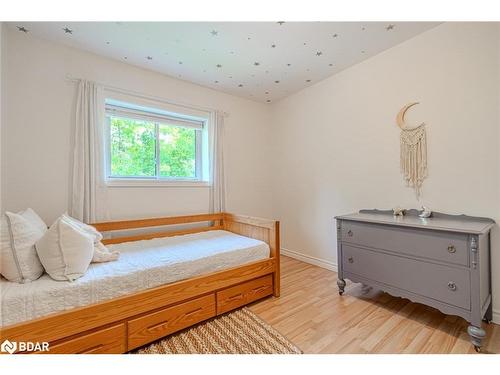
452	249
235	297
260	289
452	286
194	311
350	260
350	233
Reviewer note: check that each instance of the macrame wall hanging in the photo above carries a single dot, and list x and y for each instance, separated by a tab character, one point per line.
413	152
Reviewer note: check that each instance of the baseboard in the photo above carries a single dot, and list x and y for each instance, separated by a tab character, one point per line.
309	259
496	316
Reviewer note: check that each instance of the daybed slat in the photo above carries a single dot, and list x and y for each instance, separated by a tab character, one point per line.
150	236
155	222
254	221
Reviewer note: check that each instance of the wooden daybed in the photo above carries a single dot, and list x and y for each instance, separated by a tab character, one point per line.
122	324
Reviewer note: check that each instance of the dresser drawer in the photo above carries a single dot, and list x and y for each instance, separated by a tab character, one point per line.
242	294
447	284
156	325
442	246
109	340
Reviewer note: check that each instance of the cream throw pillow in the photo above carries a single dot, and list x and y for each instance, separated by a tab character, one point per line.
18	258
65	250
101	252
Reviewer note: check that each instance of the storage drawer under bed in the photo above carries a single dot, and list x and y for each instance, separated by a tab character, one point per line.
242	294
156	325
109	340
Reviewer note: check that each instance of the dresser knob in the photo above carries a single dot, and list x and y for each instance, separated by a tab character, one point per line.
350	233
350	260
452	286
452	249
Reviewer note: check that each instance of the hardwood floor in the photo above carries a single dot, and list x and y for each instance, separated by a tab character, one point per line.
312	315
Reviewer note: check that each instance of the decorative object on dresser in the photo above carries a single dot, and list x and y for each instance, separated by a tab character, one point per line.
413	152
426	212
443	261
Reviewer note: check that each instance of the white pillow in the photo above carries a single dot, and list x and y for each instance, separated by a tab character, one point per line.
97	236
65	250
18	258
33	217
101	252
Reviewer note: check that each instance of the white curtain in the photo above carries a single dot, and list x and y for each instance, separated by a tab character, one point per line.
218	186
88	192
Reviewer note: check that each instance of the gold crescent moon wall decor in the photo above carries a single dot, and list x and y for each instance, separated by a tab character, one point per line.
413	151
400	118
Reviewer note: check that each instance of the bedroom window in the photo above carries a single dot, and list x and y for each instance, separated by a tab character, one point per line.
147	145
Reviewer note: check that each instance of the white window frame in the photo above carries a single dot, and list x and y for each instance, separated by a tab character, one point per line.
131	111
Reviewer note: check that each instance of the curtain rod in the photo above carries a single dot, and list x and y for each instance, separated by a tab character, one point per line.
150	97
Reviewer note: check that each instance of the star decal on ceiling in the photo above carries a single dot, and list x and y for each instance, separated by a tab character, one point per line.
214	32
390	27
319	53
22	29
67	30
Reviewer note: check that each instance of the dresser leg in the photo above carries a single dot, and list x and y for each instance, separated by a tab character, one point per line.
341	284
477	334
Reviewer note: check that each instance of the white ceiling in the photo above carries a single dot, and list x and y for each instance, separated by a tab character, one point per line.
262	61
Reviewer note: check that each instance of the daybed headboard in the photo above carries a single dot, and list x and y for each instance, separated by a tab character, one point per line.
261	229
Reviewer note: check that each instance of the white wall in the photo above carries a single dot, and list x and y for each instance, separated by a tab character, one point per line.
338	144
39	112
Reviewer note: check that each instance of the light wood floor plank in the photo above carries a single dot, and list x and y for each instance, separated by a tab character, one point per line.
311	313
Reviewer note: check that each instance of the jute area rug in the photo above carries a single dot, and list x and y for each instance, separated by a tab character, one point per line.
238	332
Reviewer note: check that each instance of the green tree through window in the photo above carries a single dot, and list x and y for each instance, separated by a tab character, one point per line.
133	149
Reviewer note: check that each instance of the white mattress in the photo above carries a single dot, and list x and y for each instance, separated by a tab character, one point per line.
142	265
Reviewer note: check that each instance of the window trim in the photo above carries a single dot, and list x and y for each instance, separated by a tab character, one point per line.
201	178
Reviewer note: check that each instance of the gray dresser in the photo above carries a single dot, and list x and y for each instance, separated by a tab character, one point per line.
442	261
